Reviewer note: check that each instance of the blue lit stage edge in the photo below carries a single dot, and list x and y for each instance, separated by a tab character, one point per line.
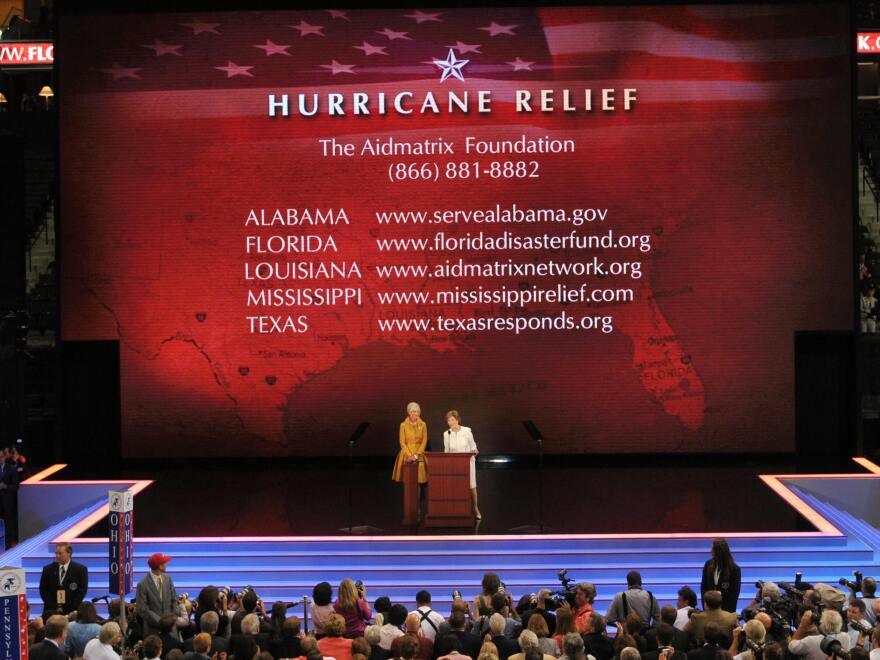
843	509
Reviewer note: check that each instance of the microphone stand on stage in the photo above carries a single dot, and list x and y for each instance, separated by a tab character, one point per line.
537	437
358	432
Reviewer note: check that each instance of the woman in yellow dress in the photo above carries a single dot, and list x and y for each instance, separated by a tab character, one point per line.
413	442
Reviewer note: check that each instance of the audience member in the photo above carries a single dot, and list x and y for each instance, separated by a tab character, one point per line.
634	599
506	646
201	646
584	596
482	603
573	647
211	599
210	623
450	648
168	634
102	647
413	628
468	643
807	638
664	638
156	594
629	653
321	607
687	602
373	635
351	603
711	641
248	603
596	641
176	654
869	592
392	629
51	648
152	649
564	625
334	643
430	620
721	573
548	646
531	648
856	612
407	648
632	626
726	621
488	651
250	625
680	639
287	643
538	605
240	646
81	631
63	583
755	632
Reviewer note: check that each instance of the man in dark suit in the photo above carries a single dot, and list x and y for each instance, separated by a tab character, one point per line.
201	645
470	643
209	623
64	583
168	634
681	640
715	641
664	636
596	642
50	647
506	646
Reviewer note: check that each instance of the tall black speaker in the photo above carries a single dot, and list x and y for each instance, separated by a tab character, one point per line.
90	424
826	401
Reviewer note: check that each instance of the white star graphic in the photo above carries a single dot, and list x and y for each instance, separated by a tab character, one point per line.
392	35
335	67
335	13
199	26
451	66
163	49
421	17
520	65
118	71
494	29
305	29
371	50
463	48
273	48
232	69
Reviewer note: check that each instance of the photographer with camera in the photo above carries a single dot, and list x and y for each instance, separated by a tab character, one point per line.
351	603
584	596
537	605
868	587
858	625
248	602
807	639
748	641
634	599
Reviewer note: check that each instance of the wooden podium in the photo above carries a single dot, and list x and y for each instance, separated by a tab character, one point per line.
411	493
449	490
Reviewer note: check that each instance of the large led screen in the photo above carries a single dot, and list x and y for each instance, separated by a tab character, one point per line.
608	220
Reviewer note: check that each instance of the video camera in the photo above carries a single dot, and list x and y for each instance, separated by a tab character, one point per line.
832	647
861	627
853	585
560	597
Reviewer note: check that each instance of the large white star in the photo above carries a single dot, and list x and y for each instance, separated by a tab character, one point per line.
520	65
495	29
272	48
335	67
232	69
306	28
451	66
371	50
463	48
161	48
198	27
118	71
392	35
421	16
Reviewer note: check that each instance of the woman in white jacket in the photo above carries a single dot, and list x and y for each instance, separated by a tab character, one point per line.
459	439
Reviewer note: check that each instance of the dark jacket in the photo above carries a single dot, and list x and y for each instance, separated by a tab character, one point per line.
46	650
506	646
75	586
285	648
728	584
470	643
218	645
599	646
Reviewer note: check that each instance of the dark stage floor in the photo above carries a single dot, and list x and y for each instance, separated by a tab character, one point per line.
232	500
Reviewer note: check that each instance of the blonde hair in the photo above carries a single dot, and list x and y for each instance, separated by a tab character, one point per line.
453	413
347	595
488	651
412	405
335	626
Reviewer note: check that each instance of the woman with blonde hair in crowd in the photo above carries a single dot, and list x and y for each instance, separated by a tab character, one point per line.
351	603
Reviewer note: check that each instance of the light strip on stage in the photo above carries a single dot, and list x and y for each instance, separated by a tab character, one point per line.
48	472
870	466
776	482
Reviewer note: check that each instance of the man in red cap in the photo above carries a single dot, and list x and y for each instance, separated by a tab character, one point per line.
156	594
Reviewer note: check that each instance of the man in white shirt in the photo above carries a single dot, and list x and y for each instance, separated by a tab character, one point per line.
856	612
687	601
430	620
102	647
806	639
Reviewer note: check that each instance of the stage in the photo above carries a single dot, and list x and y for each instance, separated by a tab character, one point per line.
835	513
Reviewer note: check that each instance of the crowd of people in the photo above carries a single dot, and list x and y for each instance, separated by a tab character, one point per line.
783	622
